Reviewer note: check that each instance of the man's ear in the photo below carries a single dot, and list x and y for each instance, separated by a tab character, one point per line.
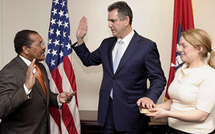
25	50
127	20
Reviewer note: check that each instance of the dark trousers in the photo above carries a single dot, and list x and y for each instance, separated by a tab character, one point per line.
175	131
109	127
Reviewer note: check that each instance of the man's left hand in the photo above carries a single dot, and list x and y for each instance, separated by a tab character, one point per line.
145	102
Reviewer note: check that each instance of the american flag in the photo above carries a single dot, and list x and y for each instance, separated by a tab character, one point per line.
62	78
183	20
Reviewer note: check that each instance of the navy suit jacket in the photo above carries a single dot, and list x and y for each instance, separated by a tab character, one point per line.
20	114
139	63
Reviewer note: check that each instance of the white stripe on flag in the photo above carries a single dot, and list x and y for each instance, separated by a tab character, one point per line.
72	105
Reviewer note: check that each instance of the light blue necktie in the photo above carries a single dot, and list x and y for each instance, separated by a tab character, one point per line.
118	56
116	61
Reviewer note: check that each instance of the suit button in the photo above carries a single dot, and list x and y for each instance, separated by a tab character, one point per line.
114	77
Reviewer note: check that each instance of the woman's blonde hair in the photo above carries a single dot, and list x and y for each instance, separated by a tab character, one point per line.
199	38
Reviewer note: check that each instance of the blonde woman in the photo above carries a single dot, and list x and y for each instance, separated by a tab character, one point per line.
190	108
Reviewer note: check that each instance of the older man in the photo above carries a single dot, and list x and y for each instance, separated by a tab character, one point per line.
24	88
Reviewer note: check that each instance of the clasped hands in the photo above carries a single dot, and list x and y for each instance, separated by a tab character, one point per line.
148	108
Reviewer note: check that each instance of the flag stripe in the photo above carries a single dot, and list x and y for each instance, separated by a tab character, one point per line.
70	75
54	128
56	116
67	86
64	129
69	72
57	79
66	115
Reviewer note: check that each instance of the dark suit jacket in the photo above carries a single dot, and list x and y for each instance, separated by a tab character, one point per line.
139	62
19	114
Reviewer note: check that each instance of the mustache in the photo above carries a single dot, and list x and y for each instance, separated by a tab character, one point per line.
43	51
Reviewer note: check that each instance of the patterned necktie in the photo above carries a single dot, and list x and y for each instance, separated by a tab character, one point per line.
118	56
40	79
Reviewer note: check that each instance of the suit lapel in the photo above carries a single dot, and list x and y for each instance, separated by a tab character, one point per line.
130	51
39	87
46	84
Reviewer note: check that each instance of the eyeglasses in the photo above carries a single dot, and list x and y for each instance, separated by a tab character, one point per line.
42	43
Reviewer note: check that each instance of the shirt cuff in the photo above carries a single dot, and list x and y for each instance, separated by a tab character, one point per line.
76	44
27	91
58	101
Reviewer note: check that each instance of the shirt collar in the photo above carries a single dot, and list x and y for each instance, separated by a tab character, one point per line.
27	62
126	40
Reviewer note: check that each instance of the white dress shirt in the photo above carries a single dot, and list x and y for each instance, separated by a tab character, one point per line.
125	44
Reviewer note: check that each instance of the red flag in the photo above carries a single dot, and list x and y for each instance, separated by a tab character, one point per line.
62	78
183	20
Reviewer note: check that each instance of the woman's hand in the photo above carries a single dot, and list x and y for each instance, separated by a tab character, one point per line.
157	113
